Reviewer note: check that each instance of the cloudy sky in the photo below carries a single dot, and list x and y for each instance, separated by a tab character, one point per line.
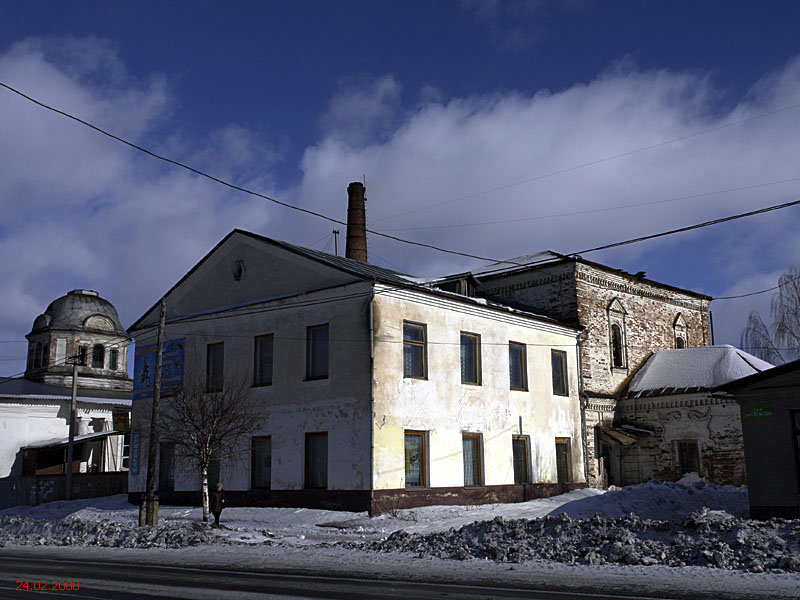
452	111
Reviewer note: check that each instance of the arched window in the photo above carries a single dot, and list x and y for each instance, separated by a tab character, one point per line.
46	354
680	343
681	330
98	356
616	346
31	356
38	360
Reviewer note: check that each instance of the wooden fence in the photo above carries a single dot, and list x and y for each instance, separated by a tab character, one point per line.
37	489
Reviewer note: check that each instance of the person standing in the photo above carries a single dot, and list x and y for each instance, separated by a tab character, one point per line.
218	502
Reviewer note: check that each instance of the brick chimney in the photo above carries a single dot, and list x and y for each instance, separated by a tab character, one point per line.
356	222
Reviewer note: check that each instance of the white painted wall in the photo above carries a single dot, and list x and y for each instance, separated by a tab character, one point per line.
446	408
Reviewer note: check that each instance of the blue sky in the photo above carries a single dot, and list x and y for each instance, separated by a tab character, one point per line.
431	101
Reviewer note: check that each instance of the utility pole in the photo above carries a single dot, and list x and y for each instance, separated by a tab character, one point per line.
151	496
336	241
71	443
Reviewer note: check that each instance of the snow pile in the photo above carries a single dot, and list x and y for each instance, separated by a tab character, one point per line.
74	532
666	501
703	538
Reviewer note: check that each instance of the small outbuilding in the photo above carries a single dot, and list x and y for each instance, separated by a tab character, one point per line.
770	412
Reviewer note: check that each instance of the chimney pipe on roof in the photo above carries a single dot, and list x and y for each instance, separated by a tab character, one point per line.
356	222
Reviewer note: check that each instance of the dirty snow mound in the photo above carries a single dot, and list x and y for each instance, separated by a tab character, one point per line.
74	532
704	538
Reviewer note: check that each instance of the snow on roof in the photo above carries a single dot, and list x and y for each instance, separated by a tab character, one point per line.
701	368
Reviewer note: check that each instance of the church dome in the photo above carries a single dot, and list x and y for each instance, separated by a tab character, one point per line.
80	310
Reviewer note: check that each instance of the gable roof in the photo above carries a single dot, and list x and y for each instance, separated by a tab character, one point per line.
689	370
542	259
366	272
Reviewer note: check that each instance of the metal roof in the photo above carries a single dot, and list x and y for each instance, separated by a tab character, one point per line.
71	311
86	437
25	389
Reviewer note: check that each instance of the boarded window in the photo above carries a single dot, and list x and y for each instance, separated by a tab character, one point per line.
517	366
166	466
470	358
46	354
688	457
558	360
261	463
113	361
215	367
471	445
414	350
98	356
317	352
262	359
317	460
415	459
520	446
82	353
563	462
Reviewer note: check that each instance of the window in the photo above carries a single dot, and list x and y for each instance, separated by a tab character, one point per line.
166	466
261	463
470	358
520	445
563	462
517	366
113	360
680	343
317	460
795	417
416	451
414	350
214	472
317	352
473	467
558	359
262	360
98	356
126	451
38	361
215	367
617	355
688	457
681	331
31	356
82	352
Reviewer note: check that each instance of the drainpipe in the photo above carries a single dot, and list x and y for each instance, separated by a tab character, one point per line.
580	338
371	399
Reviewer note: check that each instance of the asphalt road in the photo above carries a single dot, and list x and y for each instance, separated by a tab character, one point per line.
123	581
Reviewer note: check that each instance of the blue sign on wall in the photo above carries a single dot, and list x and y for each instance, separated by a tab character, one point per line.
136	447
144	370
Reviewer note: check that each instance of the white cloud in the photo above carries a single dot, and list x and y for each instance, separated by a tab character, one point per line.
363	109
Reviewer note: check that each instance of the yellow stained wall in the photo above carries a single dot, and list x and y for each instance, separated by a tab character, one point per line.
445	408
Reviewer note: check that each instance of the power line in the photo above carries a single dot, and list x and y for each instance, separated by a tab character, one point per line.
233	186
593	162
597	210
692	227
756	293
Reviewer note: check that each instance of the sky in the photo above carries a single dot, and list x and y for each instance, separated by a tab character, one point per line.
478	126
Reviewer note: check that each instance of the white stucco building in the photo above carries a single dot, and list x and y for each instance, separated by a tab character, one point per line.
375	390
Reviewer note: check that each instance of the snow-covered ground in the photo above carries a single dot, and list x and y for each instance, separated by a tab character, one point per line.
690	523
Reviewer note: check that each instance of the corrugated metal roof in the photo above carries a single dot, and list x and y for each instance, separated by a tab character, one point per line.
22	388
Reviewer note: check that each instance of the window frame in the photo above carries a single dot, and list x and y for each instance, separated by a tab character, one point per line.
211	382
307	480
526	439
113	359
101	354
253	462
566	441
83	354
524	366
259	382
476	337
309	353
564	371
416	344
479	437
423	435
695	447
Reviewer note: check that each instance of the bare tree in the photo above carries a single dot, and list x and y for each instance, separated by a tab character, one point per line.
209	425
780	341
